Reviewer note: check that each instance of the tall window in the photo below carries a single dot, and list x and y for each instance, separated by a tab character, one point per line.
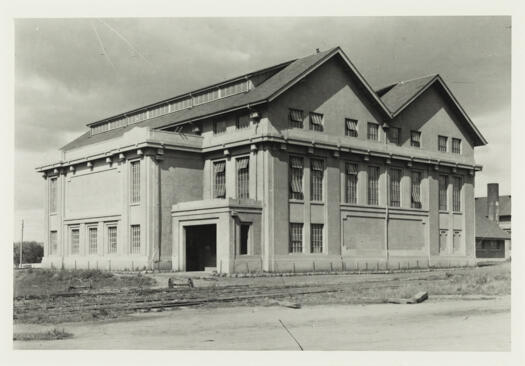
373	131
296	178
243	177
135	182
112	239
52	195
53	242
416	190
296	118
243	121
350	127
92	237
373	185
219	171
316	238
351	183
316	121
219	127
443	185
75	240
135	239
296	238
456	193
415	138
442	143
456	146
395	191
316	179
393	135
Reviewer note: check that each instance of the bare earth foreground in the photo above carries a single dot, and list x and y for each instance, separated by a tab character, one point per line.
457	325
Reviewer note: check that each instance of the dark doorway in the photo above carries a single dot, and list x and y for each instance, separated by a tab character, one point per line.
201	247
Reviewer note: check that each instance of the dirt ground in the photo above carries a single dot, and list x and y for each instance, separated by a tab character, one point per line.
439	324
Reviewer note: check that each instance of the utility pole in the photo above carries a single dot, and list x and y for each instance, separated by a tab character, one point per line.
21	243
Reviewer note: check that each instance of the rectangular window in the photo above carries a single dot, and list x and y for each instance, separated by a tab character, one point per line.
219	172
373	131
316	121
92	238
456	193
351	127
393	135
135	182
456	146
135	239
373	185
53	195
316	179
219	127
457	241
296	178
243	121
415	138
316	238
442	143
395	187
243	177
245	236
351	183
296	238
296	118
53	242
443	185
75	241
112	239
416	190
443	235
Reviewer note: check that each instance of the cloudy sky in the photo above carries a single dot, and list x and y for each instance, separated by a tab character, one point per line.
69	72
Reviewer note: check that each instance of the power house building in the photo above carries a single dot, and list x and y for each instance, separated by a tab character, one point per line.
301	166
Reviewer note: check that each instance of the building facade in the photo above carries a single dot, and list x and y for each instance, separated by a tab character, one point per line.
297	167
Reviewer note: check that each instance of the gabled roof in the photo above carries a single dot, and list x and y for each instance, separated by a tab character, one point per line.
270	89
505	208
400	95
486	229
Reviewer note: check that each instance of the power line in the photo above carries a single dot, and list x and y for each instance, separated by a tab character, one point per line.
102	46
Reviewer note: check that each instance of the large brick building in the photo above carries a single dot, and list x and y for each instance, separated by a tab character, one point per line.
297	167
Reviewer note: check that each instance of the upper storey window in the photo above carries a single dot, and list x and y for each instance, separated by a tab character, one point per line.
296	118
316	121
351	127
456	146
415	138
219	170
296	178
243	121
373	131
442	143
393	135
219	127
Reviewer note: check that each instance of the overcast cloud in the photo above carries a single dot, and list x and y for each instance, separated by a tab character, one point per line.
64	80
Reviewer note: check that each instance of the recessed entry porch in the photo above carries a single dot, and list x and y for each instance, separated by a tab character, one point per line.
219	234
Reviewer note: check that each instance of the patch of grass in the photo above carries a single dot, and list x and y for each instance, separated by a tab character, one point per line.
38	282
42	336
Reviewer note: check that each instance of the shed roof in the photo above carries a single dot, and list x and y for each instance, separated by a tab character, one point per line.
487	229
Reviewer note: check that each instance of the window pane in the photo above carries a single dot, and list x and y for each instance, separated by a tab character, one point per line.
351	183
316	175
442	143
219	168
416	190
395	192
393	135
316	238
296	118
296	178
456	193
93	237
112	239
296	238
243	121
443	184
373	185
372	131
135	182
243	177
135	239
456	146
219	127
316	121
415	138
351	127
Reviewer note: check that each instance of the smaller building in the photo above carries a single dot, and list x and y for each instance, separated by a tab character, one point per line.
493	225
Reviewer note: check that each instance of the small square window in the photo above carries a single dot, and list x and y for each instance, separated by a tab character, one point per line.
442	143
219	127
296	118
351	127
415	138
316	121
373	131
